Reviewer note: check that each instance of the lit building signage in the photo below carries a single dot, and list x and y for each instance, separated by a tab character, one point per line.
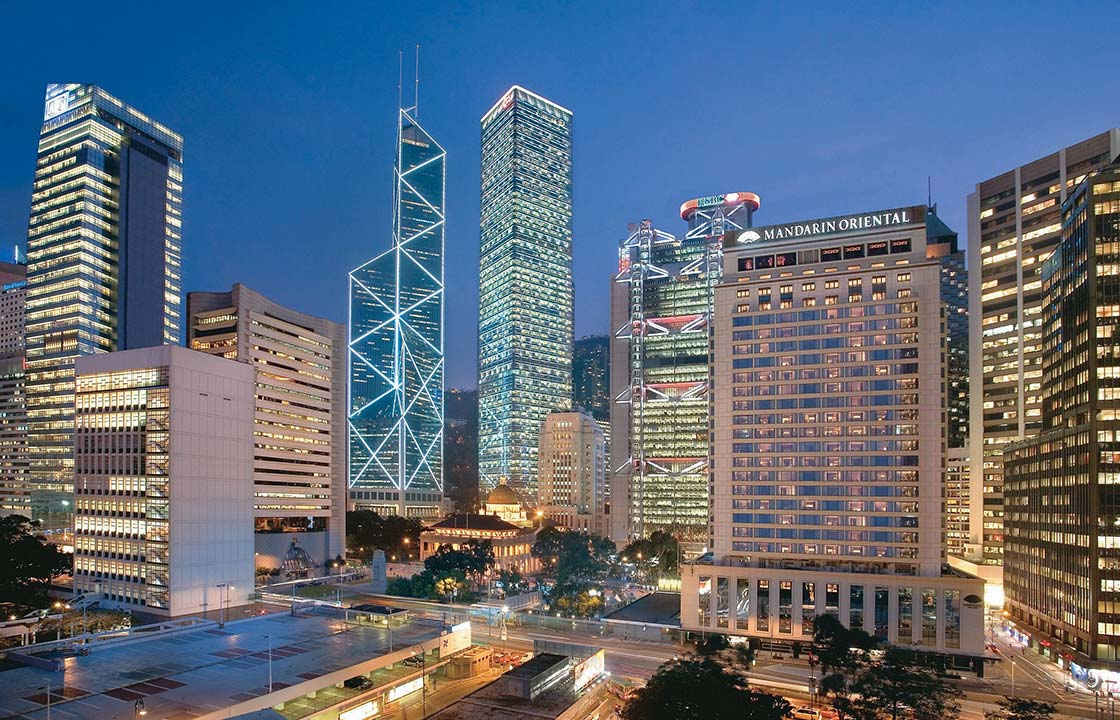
361	712
56	105
401	690
710	201
827	226
588	670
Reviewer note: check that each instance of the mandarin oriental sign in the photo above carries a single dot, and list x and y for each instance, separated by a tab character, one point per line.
841	224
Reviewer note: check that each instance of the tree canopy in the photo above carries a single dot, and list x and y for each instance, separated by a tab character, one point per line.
28	563
659	552
701	688
572	556
904	684
472	558
367	531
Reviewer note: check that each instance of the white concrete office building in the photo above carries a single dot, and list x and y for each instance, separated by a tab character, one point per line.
572	472
299	435
163	484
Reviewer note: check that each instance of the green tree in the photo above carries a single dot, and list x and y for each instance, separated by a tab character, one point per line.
712	644
512	582
904	684
658	553
844	656
582	602
471	559
1021	709
28	563
701	688
573	556
744	656
367	531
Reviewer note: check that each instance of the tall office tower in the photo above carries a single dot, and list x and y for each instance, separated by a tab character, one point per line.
941	244
572	474
103	251
460	449
14	498
163	489
1062	561
396	343
591	376
957	499
828	425
299	455
661	310
525	283
1013	224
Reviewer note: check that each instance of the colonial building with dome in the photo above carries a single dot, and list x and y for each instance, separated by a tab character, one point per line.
504	502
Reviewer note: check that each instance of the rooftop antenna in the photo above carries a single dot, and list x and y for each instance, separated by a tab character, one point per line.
929	191
400	79
417	95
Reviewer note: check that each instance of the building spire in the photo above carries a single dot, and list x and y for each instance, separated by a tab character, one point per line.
400	79
416	96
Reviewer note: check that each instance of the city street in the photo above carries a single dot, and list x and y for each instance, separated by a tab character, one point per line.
630	661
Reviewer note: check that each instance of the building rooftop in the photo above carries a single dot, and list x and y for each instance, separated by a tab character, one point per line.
492	702
471	521
538	664
503	495
201	671
659	608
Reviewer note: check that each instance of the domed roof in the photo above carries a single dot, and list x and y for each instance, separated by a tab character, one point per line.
503	495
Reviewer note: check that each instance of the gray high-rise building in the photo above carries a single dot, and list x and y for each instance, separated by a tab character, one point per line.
525	283
14	497
1062	546
103	251
591	377
1014	223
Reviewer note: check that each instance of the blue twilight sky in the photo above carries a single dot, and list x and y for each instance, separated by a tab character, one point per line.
287	110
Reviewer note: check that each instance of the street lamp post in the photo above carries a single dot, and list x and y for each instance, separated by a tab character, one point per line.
1013	677
221	605
269	662
138	709
48	687
423	680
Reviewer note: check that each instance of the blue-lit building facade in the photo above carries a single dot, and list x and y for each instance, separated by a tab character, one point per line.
396	414
104	263
525	284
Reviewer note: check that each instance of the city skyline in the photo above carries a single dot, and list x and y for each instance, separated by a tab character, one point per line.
869	153
869	427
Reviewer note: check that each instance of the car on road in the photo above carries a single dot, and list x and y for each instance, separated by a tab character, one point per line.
805	713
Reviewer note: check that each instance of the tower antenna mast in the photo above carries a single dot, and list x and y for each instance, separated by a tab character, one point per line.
417	103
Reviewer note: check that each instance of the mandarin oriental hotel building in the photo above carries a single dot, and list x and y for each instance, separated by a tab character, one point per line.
828	422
